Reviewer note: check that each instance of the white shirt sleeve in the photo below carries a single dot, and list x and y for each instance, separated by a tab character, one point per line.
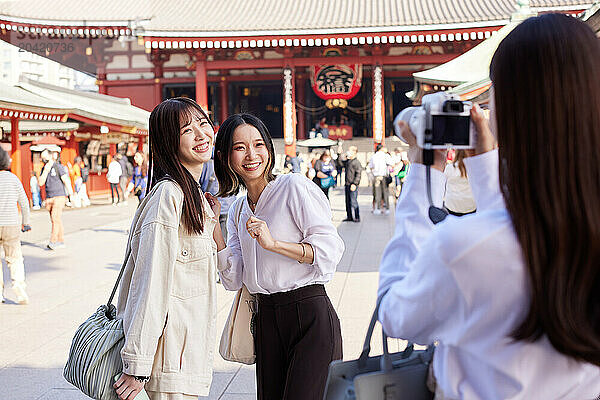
484	180
413	225
230	262
311	212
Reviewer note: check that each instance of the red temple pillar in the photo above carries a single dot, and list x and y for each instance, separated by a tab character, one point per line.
201	84
378	106
15	148
289	112
101	79
301	98
224	103
140	146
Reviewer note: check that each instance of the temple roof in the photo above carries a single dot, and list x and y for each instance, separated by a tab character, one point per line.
271	17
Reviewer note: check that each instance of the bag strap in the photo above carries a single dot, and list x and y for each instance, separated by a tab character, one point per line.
128	251
386	362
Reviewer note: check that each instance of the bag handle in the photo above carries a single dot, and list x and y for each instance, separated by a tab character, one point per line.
386	362
128	251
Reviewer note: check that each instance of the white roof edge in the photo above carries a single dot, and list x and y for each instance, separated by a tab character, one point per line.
91	95
328	31
78	23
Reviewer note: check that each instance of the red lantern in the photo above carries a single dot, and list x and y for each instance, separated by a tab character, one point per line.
336	81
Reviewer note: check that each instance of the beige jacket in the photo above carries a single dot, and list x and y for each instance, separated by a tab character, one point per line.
167	297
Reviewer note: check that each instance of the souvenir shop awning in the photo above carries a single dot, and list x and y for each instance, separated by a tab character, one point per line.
16	102
26	126
93	108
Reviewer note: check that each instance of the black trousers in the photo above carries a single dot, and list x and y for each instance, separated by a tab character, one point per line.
351	203
297	336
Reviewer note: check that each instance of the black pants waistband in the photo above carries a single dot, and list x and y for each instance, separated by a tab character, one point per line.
283	298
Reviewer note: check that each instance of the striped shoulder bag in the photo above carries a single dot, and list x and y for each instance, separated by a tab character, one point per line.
95	355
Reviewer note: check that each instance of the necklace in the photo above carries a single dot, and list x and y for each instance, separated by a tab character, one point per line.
250	202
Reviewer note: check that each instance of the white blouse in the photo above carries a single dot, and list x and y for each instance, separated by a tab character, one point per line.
295	210
458	197
464	284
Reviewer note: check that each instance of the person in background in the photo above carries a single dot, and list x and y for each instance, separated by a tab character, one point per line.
353	175
114	176
81	183
126	174
36	194
139	180
11	226
210	184
340	161
296	163
75	177
459	199
378	165
283	247
325	172
55	179
510	293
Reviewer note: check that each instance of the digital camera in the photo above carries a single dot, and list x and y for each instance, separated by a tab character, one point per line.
441	122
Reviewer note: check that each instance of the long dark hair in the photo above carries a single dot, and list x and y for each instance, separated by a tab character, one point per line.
547	94
164	135
229	181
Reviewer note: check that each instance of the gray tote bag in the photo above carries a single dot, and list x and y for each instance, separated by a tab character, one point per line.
397	376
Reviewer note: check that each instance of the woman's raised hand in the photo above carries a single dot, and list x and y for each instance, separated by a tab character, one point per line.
214	203
415	153
485	138
259	230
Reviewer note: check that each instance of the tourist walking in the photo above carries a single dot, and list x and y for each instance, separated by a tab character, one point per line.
139	179
297	331
325	172
55	179
126	174
167	297
81	182
353	175
510	293
113	176
11	226
378	165
36	192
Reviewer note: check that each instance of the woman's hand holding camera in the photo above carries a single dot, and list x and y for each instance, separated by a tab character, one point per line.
485	138
415	153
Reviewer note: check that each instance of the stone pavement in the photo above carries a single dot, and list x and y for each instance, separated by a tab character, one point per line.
67	285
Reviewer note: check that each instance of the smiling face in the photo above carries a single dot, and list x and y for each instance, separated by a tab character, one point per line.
196	140
249	154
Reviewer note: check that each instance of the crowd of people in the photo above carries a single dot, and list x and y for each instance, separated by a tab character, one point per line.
505	288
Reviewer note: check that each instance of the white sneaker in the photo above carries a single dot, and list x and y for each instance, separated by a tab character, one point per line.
387	212
22	297
377	211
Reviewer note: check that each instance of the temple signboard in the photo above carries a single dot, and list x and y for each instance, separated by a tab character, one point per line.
336	81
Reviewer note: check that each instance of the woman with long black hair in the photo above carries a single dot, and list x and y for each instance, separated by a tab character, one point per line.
511	294
283	247
167	296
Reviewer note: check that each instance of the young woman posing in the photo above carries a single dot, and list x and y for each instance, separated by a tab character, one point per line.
283	247
167	296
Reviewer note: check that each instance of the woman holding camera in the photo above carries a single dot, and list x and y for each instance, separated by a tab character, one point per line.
283	247
510	293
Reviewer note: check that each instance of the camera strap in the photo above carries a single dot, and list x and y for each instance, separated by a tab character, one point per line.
436	214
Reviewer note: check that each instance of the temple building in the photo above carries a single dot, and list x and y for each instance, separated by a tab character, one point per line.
342	64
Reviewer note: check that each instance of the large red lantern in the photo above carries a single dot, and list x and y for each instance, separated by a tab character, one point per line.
338	81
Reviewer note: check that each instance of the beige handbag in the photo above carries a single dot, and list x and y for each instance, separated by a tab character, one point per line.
237	339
